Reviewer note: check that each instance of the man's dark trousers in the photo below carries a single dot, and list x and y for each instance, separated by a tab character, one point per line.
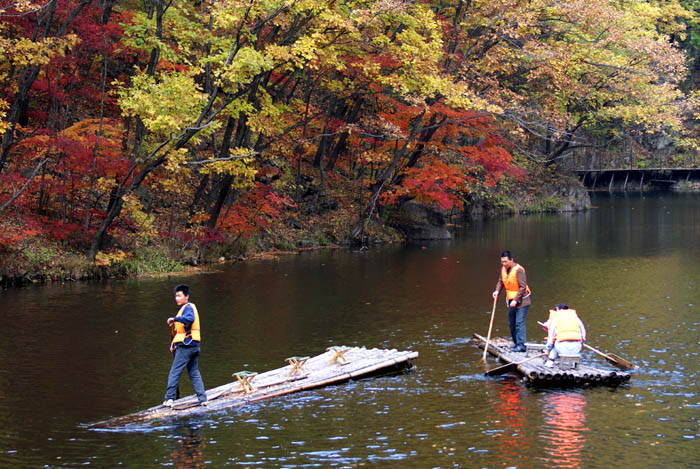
516	321
186	356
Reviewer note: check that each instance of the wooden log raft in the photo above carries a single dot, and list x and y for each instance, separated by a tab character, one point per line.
534	372
336	365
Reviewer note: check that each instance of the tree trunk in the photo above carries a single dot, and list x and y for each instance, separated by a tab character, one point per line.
380	185
116	202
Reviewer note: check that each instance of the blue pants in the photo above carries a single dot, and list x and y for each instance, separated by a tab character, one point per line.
516	321
186	357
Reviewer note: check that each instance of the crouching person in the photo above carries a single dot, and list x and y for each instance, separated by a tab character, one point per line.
565	333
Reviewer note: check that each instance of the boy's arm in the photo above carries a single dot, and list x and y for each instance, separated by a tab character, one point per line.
187	317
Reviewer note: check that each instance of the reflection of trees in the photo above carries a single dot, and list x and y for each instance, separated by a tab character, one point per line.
187	452
565	432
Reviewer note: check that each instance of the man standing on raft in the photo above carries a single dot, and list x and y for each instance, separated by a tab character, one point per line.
517	298
185	346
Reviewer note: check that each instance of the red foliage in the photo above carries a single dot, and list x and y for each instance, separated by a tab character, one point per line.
434	183
14	231
59	124
464	148
254	211
67	89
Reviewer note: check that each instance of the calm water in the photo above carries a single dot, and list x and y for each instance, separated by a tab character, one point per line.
78	353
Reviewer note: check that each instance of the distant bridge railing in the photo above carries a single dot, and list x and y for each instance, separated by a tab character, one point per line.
637	178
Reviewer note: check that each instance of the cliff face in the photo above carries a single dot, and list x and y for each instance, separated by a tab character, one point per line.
574	198
418	222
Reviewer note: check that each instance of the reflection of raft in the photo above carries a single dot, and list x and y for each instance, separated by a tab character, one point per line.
336	365
534	371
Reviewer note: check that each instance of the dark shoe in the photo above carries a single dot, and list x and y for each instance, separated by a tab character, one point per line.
517	348
203	403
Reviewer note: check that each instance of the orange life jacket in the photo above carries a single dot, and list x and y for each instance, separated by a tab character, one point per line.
566	324
510	282
550	320
183	336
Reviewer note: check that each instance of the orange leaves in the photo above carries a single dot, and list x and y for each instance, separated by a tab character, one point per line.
434	183
199	218
14	231
86	149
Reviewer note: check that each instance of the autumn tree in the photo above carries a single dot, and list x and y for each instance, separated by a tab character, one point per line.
49	74
213	120
559	70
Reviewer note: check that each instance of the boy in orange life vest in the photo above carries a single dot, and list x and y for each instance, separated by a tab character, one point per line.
185	344
565	333
513	279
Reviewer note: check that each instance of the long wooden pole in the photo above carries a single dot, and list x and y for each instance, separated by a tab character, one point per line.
612	358
509	366
488	337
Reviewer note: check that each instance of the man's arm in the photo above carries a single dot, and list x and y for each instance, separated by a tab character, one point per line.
499	286
551	334
187	317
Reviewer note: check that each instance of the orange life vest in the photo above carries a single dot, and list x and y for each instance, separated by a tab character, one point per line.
510	282
183	336
550	320
566	324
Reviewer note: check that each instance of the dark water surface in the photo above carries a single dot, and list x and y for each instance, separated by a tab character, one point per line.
79	353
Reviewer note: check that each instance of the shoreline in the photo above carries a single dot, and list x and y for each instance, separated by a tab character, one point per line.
96	273
44	261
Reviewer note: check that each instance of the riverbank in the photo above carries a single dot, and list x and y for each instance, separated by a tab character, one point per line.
41	260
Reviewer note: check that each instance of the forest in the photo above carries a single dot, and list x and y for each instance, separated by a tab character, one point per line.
142	136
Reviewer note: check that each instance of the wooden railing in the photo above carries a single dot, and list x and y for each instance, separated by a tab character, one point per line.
638	178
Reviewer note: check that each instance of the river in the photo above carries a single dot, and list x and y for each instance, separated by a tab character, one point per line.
82	352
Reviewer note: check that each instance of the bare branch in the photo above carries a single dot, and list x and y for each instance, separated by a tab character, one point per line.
26	184
215	160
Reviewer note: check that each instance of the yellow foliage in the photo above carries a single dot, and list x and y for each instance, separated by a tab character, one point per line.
109	128
166	106
242	170
246	65
106	259
4	105
143	222
175	179
17	53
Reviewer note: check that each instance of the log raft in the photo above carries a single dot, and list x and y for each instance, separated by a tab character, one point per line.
336	365
535	373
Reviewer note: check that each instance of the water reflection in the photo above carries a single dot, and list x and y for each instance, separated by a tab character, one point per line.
512	416
629	265
565	431
187	452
